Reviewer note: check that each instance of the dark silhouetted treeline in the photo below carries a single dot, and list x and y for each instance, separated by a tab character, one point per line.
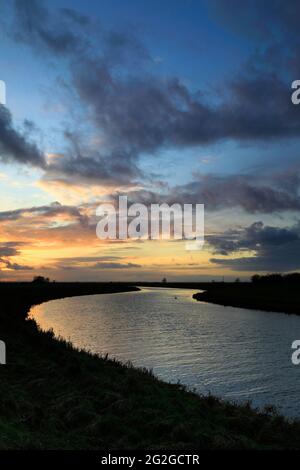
286	279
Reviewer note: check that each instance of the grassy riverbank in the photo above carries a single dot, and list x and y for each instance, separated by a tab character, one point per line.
55	397
275	298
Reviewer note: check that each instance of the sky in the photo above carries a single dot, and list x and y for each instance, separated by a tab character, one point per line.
182	101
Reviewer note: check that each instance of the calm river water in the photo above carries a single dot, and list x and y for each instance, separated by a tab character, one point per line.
237	354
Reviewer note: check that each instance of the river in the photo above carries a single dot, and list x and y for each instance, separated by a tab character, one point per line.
234	353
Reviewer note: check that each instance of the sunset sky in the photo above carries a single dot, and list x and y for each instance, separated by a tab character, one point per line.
184	101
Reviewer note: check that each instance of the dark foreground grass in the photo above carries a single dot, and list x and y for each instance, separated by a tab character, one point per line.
276	298
56	397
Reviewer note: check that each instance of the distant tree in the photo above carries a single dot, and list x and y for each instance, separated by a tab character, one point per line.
292	278
237	280
276	278
164	280
255	279
273	278
40	280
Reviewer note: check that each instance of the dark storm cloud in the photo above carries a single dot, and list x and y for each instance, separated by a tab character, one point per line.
96	262
141	114
15	145
112	265
16	266
146	114
8	250
253	193
66	32
34	26
98	168
51	210
274	249
66	37
137	113
255	237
